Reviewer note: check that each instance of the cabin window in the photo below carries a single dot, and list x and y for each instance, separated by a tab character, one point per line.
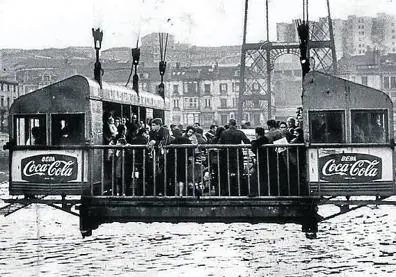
67	129
369	126
327	126
30	130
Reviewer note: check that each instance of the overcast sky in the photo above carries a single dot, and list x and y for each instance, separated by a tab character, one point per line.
61	23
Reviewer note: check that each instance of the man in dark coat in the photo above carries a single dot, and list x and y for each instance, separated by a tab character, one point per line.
177	164
232	136
260	169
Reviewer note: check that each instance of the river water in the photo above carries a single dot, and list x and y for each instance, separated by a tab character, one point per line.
42	241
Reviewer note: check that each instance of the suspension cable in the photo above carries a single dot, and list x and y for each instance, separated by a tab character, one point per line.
131	72
162	63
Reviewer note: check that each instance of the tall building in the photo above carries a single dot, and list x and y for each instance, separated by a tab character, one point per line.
354	35
358	35
372	70
384	34
286	32
9	91
204	94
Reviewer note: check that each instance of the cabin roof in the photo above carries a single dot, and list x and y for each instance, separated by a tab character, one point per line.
328	92
72	95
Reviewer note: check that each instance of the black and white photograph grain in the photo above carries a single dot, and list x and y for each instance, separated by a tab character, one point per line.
197	138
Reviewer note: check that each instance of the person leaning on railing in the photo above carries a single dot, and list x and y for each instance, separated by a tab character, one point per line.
259	172
139	161
298	164
159	136
177	164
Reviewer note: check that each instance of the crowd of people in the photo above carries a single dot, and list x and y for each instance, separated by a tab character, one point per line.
209	165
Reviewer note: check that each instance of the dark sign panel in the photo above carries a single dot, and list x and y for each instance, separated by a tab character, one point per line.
52	168
350	167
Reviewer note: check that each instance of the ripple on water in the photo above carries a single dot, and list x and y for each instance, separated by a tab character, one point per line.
47	242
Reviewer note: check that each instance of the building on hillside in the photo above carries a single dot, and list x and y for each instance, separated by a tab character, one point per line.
9	91
355	35
372	70
208	95
384	33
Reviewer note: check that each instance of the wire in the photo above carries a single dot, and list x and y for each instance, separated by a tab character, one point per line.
161	45
130	74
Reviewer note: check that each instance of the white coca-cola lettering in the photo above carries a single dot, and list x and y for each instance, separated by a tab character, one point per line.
56	168
360	168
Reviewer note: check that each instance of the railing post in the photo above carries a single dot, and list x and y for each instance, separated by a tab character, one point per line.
134	172
90	171
238	173
144	172
228	171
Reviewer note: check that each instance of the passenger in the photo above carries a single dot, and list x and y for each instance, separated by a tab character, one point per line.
285	131
210	135
109	136
65	135
219	131
124	121
159	136
358	134
275	161
215	159
298	164
177	163
172	127
283	159
377	131
291	124
243	124
190	134
139	159
200	151
109	129
260	169
232	136
121	140
273	131
37	137
199	134
117	121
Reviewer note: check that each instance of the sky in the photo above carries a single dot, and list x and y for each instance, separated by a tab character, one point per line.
38	24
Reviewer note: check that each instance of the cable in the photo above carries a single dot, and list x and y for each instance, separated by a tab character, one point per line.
130	74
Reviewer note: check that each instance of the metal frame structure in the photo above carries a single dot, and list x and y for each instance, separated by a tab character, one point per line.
258	61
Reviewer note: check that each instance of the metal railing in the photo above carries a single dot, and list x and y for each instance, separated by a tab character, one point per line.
200	170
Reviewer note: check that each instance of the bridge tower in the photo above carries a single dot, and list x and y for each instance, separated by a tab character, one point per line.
258	60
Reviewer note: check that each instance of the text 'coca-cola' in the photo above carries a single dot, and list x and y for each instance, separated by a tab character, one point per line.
54	168
350	167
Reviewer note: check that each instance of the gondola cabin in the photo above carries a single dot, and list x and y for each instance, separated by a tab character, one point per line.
49	126
349	131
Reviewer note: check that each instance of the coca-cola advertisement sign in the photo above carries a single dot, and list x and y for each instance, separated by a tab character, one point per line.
49	168
354	167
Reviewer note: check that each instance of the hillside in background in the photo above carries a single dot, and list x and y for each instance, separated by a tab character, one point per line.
81	59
